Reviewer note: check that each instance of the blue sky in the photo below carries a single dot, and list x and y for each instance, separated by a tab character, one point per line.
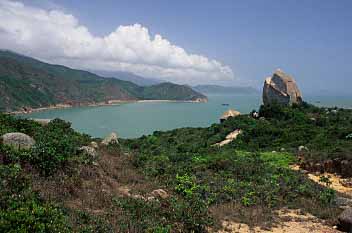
311	40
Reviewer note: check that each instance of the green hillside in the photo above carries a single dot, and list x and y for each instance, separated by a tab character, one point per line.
26	82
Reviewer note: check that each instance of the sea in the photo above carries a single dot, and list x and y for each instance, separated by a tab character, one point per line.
133	120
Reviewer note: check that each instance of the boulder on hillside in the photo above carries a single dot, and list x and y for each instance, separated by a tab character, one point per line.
94	145
18	141
229	113
110	139
282	89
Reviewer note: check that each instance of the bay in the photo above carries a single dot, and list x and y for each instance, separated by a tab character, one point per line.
133	120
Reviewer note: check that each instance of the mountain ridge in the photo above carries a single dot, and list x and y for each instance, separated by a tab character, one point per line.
26	82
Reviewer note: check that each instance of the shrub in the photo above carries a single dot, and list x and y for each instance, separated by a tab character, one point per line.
21	210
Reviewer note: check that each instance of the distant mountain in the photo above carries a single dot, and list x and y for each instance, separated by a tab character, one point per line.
216	89
28	83
126	76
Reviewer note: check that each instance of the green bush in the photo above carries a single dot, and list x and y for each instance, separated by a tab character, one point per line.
20	208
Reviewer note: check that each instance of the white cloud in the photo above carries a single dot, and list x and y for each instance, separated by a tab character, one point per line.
57	37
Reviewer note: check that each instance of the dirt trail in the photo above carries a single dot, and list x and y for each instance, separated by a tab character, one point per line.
293	221
334	179
289	221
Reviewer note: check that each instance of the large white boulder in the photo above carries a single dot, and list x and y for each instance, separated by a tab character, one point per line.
282	89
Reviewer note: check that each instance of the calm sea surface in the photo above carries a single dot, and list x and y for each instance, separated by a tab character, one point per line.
136	119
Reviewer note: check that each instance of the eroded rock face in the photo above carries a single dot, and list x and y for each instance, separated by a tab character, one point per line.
18	141
282	89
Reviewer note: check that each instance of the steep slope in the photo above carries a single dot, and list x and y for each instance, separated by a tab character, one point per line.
26	82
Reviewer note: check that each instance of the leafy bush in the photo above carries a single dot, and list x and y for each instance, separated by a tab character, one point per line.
21	210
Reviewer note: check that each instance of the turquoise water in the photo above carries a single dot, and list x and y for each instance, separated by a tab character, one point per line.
136	119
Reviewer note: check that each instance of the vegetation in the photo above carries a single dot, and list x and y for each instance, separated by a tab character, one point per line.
54	186
26	82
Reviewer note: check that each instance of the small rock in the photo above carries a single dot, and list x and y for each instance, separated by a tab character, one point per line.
160	193
110	139
345	220
94	145
282	149
18	141
255	115
302	148
273	151
89	151
346	182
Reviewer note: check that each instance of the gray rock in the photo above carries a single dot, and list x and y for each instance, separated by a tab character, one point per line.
282	89
345	220
110	139
18	141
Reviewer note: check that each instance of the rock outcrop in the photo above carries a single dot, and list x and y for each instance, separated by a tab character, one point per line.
110	139
229	138
282	89
19	141
229	113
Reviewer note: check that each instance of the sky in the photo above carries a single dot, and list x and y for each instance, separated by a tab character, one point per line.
226	42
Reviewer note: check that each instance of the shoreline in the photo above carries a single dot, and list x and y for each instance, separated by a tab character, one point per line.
101	104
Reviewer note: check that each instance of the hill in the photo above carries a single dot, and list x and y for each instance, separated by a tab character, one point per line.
178	181
216	89
126	76
28	83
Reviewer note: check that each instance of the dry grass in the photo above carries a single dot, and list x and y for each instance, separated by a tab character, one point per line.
92	188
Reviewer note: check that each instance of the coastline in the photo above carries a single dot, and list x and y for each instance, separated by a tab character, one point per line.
99	104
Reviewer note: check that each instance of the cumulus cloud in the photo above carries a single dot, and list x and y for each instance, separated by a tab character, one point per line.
57	37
